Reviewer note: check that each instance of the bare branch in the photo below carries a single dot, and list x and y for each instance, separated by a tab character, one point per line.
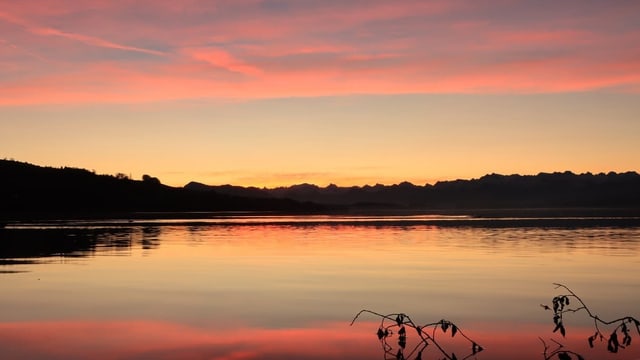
561	307
401	321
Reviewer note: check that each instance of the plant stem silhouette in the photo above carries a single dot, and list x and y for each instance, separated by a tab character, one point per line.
561	307
559	353
401	321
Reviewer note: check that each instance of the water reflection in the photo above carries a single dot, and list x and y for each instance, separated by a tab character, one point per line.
16	245
151	237
91	237
143	339
281	290
162	340
36	243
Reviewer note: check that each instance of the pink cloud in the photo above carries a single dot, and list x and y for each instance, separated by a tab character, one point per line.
496	40
242	50
110	83
223	59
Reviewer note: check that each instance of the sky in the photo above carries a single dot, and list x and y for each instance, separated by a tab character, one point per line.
280	92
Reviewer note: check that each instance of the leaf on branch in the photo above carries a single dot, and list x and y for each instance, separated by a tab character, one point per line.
445	325
402	341
564	356
383	332
399	355
560	327
402	331
613	344
591	338
475	348
402	337
559	303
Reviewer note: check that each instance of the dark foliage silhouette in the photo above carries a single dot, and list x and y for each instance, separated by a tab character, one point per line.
150	179
391	324
568	302
620	337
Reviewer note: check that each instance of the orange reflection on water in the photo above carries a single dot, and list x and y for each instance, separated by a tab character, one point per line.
527	341
164	340
248	292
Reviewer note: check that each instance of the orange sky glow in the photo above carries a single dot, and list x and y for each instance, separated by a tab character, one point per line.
270	93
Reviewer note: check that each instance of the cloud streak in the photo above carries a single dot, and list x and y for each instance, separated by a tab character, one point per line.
252	49
85	39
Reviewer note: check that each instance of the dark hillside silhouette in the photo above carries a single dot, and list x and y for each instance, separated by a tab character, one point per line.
28	190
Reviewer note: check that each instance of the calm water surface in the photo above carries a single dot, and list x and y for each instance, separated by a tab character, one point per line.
288	287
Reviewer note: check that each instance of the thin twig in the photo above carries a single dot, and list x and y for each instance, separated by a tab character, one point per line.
613	344
401	320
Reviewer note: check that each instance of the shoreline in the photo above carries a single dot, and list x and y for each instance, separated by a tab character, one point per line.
543	212
489	219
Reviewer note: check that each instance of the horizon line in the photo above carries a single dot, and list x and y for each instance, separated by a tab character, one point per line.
333	184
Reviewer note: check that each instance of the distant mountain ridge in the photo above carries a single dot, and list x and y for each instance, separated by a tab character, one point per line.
544	190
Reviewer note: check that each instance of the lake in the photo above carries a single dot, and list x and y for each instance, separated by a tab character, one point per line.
288	287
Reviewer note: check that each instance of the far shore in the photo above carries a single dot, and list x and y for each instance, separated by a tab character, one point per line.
560	217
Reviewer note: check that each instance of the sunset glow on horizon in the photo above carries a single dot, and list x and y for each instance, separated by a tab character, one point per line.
278	92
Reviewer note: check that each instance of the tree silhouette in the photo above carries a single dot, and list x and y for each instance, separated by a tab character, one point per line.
150	179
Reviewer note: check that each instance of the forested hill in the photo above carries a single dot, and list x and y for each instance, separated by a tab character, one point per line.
545	190
30	190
